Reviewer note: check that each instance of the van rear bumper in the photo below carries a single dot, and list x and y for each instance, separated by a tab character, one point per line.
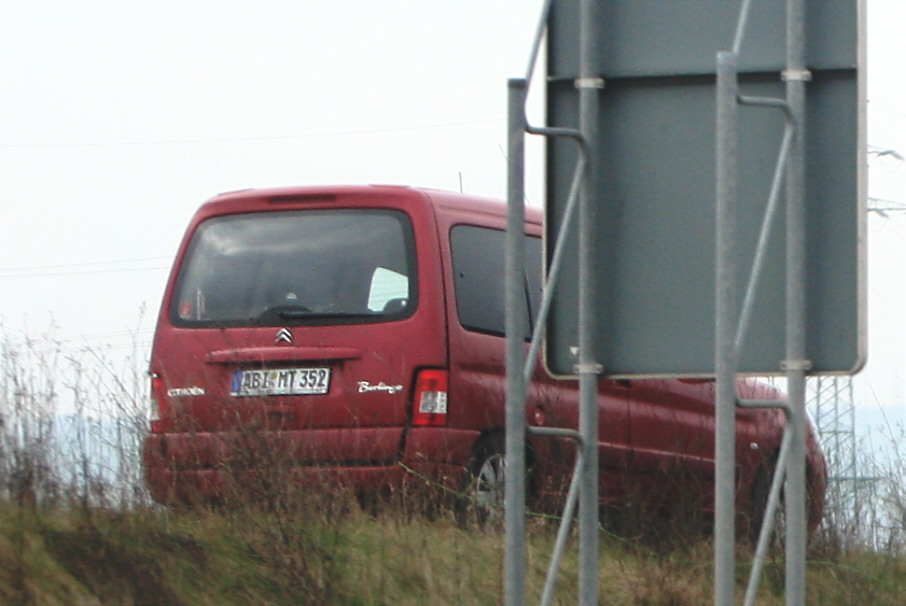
212	466
212	485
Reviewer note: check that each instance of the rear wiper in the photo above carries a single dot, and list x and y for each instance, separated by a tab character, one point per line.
299	312
289	312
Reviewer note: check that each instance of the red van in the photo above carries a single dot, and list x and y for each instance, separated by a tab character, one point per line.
358	332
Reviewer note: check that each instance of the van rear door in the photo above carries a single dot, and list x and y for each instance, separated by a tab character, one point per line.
303	315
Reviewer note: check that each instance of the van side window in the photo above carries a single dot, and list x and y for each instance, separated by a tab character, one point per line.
534	275
478	277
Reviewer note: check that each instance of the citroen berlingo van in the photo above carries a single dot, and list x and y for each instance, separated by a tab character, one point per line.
358	333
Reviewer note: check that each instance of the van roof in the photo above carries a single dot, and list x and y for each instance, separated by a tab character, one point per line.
440	198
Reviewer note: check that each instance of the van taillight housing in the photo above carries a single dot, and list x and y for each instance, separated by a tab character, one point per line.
429	400
156	399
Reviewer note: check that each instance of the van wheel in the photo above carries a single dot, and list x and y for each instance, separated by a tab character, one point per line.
484	486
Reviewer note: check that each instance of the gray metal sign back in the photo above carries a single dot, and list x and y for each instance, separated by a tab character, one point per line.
655	178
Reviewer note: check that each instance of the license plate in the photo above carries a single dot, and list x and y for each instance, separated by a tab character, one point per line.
280	382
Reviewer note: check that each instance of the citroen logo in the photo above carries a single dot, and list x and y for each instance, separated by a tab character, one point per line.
284	336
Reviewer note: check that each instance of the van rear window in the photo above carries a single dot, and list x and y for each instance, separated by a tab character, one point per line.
334	266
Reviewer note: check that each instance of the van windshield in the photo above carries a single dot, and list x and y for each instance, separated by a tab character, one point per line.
296	267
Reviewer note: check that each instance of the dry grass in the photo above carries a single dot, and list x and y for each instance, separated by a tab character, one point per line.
77	528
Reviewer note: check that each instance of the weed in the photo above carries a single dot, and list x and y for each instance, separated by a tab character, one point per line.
76	525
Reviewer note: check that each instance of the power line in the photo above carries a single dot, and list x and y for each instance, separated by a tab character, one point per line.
6	275
84	263
252	139
881	151
139	340
88	267
883	206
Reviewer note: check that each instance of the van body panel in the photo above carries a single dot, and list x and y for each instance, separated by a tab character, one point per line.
206	485
246	355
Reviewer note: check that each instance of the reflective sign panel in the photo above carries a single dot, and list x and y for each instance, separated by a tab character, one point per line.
655	251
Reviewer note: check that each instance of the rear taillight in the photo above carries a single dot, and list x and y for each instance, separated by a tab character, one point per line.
156	398
429	400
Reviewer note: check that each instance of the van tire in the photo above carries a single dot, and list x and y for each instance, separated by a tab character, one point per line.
482	496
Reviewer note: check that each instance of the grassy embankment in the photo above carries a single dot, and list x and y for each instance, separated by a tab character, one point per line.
331	552
76	527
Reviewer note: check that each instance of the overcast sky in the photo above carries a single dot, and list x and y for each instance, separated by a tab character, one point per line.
118	118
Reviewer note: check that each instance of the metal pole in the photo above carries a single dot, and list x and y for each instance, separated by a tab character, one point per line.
764	535
569	511
516	321
588	369
796	363
725	331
